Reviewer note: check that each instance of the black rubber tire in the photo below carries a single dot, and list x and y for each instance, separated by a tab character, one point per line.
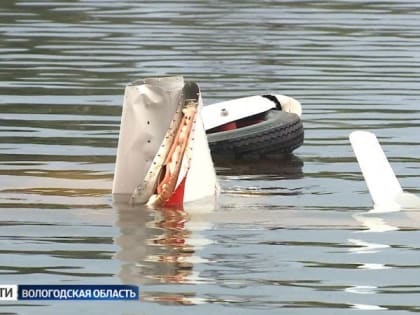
280	132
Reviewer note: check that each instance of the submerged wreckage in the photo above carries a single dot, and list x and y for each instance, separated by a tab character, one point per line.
164	158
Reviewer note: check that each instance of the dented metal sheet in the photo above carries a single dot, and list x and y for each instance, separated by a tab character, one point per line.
179	169
148	109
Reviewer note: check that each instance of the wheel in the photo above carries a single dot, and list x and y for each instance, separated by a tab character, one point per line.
279	132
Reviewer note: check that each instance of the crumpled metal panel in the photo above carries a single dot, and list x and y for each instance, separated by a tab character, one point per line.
148	109
151	114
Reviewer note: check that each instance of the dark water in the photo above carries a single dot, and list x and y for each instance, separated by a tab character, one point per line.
291	235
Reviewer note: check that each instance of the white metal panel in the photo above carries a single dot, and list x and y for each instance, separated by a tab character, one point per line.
218	114
148	113
383	185
201	180
148	110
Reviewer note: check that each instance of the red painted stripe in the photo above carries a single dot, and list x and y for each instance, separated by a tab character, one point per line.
176	200
226	127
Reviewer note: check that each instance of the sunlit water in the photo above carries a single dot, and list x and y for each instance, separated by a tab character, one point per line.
291	235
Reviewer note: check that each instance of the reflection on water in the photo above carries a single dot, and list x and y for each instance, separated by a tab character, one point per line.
173	255
271	166
159	247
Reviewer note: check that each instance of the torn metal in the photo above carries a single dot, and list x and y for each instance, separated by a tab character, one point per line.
163	158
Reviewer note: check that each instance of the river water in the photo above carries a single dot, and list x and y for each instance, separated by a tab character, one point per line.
292	235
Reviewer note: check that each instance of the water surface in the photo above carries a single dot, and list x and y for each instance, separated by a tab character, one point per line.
291	235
